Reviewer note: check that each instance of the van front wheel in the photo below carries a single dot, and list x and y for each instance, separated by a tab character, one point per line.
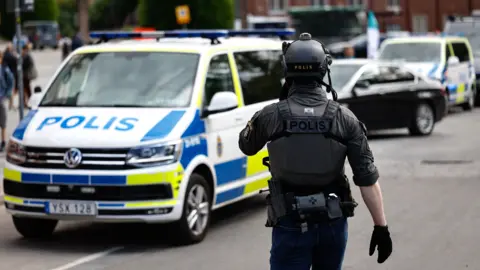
193	225
34	228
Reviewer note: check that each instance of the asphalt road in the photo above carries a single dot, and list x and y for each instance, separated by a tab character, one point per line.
431	194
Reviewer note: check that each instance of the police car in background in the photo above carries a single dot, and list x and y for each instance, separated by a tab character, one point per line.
448	59
384	95
144	130
468	26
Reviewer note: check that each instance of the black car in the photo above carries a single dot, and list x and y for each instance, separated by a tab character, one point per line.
388	95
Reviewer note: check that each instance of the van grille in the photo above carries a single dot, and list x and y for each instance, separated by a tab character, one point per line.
92	159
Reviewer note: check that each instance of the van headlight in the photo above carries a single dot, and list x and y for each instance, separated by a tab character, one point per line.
153	155
16	153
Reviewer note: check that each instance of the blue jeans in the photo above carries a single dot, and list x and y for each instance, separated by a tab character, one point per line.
322	247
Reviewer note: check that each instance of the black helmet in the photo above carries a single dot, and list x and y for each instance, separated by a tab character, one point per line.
307	57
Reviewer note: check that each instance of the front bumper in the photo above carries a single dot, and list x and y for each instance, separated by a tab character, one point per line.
144	195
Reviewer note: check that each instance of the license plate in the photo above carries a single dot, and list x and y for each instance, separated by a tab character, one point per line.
71	208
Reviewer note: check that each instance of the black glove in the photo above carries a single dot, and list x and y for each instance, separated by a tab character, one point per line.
382	241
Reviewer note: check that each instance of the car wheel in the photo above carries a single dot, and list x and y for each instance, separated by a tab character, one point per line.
41	48
34	228
55	47
470	104
424	120
193	225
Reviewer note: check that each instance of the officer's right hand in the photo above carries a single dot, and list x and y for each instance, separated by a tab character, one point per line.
382	241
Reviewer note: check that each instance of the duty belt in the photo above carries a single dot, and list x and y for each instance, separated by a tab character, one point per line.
314	207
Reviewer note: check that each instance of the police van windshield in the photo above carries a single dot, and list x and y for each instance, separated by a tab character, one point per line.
412	52
124	79
341	74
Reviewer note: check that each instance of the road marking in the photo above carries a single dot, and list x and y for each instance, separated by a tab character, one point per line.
88	259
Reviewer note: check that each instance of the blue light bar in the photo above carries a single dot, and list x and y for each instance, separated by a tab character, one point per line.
210	34
114	35
262	32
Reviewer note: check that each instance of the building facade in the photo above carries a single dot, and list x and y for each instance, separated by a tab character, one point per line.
405	15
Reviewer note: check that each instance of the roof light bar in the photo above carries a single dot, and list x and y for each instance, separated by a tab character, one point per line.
210	34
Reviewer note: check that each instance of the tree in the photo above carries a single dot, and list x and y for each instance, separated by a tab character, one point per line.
205	14
66	19
110	14
46	10
82	6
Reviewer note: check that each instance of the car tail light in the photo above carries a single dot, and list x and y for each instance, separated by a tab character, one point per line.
35	37
59	36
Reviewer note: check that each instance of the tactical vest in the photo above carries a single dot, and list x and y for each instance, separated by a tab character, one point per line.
305	153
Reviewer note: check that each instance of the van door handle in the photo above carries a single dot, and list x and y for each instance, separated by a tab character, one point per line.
238	119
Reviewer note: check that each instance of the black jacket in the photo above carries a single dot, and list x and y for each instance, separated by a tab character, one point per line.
267	123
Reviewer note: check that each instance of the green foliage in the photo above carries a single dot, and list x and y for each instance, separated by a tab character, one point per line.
46	10
66	19
205	14
110	14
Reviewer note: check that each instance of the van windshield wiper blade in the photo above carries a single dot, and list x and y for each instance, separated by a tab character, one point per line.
58	105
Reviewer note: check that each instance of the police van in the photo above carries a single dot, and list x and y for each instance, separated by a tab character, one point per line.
448	59
144	131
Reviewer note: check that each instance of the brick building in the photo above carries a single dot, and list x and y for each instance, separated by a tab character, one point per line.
408	15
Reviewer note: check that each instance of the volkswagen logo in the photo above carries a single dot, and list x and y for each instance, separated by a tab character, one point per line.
72	158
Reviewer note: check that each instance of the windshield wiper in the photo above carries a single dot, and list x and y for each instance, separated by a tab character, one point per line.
57	105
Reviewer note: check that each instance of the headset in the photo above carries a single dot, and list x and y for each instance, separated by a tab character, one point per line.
323	68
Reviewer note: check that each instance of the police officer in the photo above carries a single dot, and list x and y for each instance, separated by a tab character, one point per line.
309	137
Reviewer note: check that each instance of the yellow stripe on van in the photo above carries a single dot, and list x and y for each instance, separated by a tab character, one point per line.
174	178
460	93
236	81
255	164
150	204
256	185
11	199
12	175
135	48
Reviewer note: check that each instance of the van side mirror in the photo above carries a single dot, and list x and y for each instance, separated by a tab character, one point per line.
37	90
221	102
362	84
453	60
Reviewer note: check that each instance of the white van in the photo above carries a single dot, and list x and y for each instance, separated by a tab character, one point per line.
448	59
145	131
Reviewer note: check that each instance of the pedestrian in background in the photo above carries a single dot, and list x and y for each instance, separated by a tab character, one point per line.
10	60
77	41
349	52
29	73
7	83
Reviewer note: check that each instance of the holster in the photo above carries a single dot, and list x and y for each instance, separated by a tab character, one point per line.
345	194
276	203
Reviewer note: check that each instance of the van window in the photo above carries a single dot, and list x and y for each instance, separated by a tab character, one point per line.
460	50
412	52
219	77
260	75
